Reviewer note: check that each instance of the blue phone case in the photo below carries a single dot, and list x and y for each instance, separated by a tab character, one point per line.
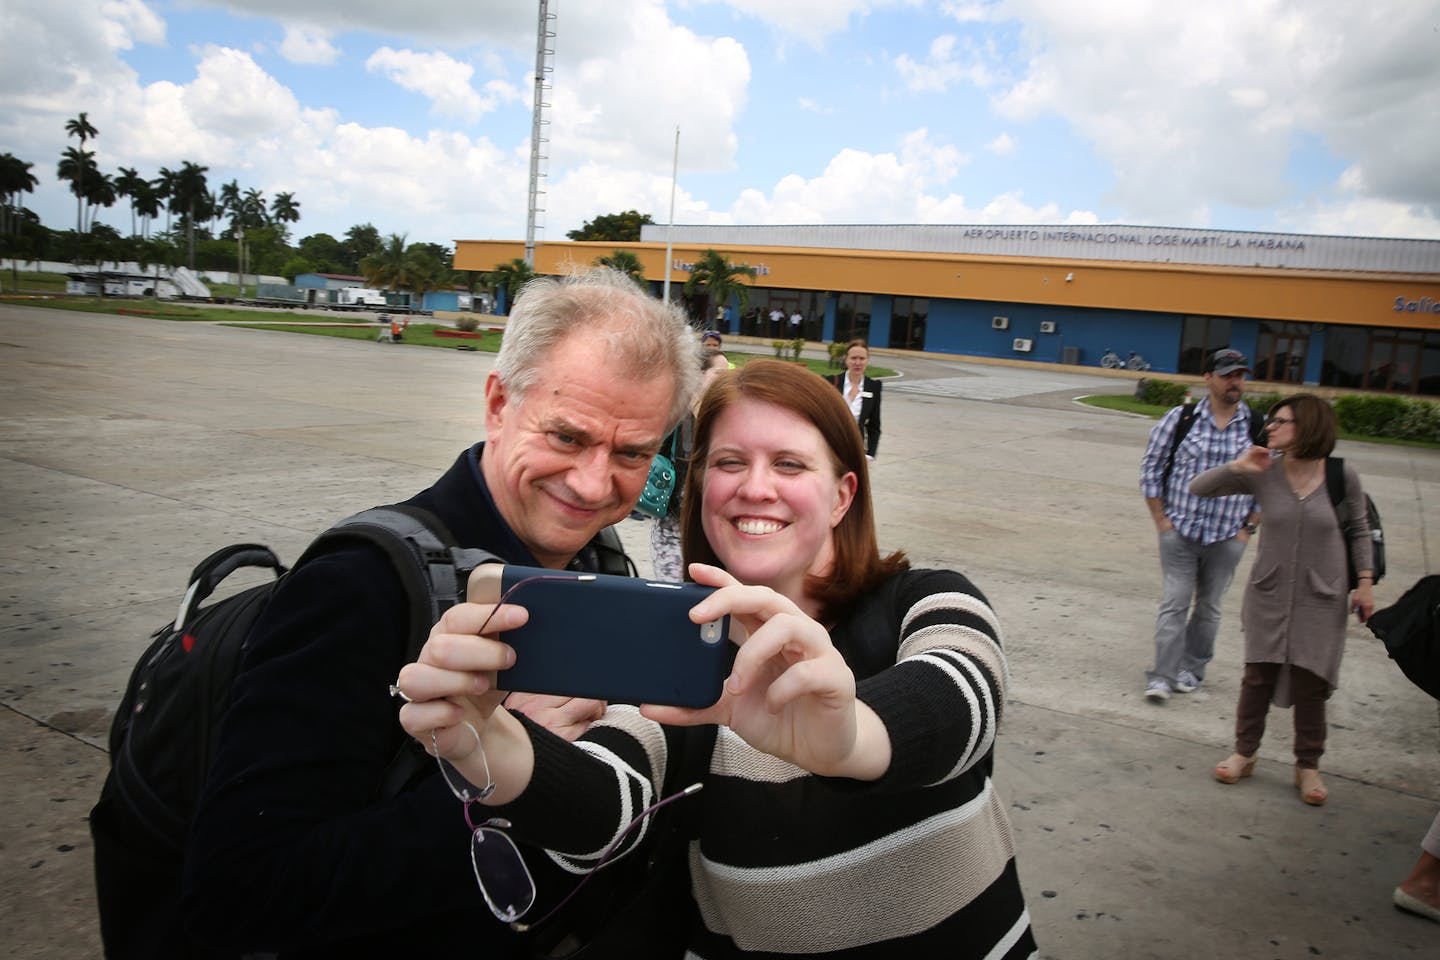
620	639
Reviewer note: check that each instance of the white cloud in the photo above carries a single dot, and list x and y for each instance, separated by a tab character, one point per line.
127	21
903	187
443	80
952	60
308	45
812	20
811	106
1003	145
1196	107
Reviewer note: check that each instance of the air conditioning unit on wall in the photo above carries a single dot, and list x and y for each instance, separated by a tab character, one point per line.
1047	326
1022	345
999	323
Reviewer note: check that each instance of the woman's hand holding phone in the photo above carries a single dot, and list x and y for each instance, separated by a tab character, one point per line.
790	693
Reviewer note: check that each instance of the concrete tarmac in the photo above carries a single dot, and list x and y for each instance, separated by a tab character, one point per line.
132	447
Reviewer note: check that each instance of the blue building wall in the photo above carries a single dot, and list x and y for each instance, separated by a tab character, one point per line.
966	326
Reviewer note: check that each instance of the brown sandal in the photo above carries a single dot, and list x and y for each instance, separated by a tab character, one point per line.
1312	790
1233	767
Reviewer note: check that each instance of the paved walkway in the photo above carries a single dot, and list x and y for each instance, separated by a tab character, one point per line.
133	446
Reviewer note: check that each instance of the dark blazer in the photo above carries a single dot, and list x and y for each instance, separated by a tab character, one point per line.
869	410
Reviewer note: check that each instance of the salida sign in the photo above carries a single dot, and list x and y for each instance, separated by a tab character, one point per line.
1418	305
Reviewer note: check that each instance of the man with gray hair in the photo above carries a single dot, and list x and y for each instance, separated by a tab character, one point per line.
294	850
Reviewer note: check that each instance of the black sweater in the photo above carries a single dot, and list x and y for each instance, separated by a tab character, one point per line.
291	850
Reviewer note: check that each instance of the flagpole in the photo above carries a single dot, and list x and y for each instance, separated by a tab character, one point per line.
674	172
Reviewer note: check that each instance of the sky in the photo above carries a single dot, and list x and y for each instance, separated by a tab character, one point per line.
1295	116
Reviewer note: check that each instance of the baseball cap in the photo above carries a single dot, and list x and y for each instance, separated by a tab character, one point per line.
712	335
1227	361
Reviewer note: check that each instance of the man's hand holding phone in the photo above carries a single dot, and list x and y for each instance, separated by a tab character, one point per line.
452	684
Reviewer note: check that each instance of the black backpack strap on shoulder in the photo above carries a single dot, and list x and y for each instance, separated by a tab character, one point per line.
1335	485
1188	412
610	555
434	572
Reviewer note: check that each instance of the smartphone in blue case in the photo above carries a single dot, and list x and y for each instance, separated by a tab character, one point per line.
620	639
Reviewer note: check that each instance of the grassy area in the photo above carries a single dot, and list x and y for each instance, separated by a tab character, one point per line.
32	281
170	309
417	334
1130	405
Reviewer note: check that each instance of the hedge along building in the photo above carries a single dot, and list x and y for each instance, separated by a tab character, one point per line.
1352	312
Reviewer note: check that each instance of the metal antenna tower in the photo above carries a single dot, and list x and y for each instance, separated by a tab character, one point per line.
539	122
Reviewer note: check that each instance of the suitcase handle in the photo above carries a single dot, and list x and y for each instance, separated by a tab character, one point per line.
211	571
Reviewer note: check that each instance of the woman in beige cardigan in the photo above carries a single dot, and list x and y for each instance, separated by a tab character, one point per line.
1297	599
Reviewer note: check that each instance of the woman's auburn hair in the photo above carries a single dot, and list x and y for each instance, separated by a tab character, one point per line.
1315	425
858	567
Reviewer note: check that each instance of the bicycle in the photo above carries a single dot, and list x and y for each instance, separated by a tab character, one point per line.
1110	360
1136	362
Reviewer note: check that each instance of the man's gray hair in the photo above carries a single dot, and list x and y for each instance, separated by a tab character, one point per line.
636	334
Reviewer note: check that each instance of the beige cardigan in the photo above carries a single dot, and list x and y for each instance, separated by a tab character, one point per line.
1298	596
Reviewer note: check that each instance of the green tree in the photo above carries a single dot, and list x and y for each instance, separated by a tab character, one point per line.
126	185
719	279
146	201
614	227
190	198
324	253
15	179
361	241
387	267
427	271
77	166
80	127
510	277
165	185
627	263
285	209
100	192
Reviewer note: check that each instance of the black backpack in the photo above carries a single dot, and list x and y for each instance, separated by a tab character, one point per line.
1335	484
1188	412
165	730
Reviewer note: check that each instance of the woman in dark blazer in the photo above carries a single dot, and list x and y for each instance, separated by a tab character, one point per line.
862	393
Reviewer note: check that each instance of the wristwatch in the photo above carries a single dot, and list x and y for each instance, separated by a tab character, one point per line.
1249	528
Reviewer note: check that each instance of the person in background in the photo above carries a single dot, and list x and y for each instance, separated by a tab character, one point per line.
665	550
1298	597
1201	540
862	394
293	851
848	808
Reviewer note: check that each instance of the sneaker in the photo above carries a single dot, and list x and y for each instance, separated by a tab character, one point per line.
1157	691
1186	682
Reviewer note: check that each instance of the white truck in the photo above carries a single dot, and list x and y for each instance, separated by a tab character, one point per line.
359	298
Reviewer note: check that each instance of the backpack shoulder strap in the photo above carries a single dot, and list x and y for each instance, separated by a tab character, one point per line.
434	572
1188	412
610	555
1335	482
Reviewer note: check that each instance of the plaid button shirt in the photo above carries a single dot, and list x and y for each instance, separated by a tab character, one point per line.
1206	519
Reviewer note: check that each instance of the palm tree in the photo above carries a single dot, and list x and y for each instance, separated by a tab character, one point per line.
146	201
15	179
627	263
82	128
285	208
361	241
165	186
230	203
74	165
99	192
190	193
720	279
388	267
510	277
127	185
427	272
253	205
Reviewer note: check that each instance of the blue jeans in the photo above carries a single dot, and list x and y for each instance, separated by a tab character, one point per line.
1185	638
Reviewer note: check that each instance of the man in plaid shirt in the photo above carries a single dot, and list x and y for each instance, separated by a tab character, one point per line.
1201	540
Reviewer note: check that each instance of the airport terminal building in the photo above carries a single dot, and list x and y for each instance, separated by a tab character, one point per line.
1351	312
